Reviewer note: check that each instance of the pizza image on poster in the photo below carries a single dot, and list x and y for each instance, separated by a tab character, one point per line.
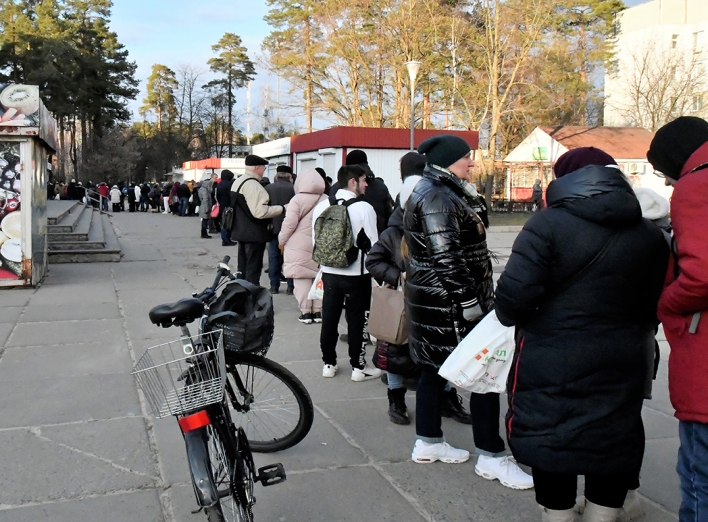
10	217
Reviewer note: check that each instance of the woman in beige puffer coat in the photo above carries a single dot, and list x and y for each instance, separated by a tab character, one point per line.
296	236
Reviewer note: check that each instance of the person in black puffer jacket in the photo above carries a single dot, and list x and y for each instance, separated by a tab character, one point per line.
448	290
386	264
223	197
582	286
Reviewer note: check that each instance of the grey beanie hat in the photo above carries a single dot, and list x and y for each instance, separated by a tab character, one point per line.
444	150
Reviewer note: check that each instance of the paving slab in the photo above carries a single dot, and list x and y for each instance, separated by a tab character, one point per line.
56	471
121	442
5	329
68	399
454	493
659	480
44	313
10	314
15	296
24	364
140	506
353	494
66	332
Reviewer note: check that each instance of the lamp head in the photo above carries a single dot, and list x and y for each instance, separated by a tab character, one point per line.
413	68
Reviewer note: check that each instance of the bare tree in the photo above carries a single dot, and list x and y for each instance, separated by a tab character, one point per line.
661	85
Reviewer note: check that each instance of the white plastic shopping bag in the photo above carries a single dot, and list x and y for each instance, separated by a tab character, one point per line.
482	360
317	288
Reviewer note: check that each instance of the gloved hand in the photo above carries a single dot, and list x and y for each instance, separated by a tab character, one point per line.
473	312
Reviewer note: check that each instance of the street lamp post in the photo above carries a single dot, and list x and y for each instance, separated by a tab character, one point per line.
413	68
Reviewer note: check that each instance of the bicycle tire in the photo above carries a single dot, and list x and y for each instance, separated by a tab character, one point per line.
268	383
223	461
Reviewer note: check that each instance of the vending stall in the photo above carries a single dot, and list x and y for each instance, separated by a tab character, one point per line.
28	137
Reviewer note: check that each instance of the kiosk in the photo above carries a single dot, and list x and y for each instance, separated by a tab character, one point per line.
28	136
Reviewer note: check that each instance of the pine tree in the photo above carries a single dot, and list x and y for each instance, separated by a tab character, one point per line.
161	86
236	70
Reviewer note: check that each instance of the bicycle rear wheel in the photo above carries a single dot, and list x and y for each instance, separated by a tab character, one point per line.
232	507
268	402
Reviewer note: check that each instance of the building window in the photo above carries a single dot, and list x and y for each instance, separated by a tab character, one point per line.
698	41
674	41
697	102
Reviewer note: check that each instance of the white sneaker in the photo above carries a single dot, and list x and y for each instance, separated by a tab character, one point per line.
504	469
366	373
329	370
632	508
425	453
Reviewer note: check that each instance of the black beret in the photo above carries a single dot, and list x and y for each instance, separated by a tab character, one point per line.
356	157
252	160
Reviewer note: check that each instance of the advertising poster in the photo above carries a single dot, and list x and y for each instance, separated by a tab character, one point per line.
19	106
10	218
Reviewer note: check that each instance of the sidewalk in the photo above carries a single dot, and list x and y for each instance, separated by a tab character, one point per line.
76	444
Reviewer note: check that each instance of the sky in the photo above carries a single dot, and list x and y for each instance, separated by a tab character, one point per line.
174	32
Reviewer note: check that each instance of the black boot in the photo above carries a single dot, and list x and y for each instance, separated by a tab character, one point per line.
451	406
205	235
397	411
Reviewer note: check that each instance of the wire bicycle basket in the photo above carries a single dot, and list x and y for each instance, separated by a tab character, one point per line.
183	375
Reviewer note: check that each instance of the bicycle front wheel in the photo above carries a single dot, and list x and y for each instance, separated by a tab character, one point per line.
268	402
232	507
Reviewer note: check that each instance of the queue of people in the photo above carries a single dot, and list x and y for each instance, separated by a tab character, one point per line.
589	278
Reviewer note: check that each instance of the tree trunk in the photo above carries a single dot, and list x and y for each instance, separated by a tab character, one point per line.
308	77
231	127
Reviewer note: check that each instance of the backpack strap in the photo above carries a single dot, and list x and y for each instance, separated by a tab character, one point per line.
246	210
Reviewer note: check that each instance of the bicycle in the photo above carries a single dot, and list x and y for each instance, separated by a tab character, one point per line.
205	386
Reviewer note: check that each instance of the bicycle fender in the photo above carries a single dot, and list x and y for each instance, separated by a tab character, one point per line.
199	466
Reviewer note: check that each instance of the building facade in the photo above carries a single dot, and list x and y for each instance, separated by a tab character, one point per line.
661	64
535	156
328	150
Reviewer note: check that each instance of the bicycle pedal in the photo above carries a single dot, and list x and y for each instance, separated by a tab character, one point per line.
271	475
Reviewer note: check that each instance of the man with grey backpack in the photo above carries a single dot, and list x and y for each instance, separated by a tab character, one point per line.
343	230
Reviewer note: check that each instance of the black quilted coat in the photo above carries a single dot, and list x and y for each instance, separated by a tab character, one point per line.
585	350
385	261
448	264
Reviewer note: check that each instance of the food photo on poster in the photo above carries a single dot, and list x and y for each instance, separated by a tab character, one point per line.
20	105
10	217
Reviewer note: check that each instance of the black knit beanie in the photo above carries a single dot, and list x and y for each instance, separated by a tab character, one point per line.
356	157
412	164
444	150
675	142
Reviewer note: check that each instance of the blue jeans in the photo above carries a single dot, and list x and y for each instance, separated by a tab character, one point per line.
395	381
693	471
275	265
183	204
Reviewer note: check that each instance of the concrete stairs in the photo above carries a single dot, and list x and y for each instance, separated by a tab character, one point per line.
79	234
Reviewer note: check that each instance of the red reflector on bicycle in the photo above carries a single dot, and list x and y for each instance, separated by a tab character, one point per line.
193	422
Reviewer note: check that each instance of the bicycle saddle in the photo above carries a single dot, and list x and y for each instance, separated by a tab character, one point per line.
177	314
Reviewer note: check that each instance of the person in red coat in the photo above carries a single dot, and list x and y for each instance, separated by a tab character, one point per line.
679	151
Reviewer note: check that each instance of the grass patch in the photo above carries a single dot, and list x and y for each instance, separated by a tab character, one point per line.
506	219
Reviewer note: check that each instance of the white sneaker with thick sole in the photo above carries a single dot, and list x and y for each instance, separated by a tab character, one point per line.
425	453
505	470
366	373
329	370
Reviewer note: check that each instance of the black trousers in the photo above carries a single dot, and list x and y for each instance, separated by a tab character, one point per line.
250	261
557	491
485	410
356	291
